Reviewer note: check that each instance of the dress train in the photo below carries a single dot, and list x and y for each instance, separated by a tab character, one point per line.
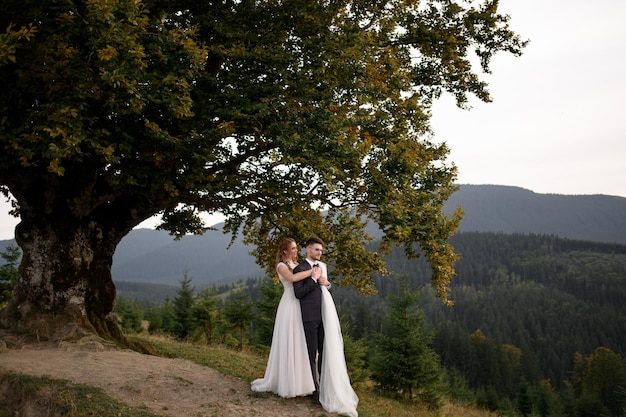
336	393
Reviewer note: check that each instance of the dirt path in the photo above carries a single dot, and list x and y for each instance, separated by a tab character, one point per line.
169	387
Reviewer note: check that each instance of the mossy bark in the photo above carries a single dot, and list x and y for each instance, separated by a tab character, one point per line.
65	289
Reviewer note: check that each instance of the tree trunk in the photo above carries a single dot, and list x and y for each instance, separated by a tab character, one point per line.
65	289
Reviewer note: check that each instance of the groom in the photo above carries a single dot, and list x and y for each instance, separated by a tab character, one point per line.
309	292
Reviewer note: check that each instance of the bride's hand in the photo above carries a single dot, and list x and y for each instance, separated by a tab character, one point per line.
317	272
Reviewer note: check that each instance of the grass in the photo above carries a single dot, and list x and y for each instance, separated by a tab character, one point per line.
248	366
57	397
60	397
240	364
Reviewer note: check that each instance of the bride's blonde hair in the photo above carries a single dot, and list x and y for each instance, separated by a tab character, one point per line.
283	247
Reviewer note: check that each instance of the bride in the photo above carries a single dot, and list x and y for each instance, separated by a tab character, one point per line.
288	372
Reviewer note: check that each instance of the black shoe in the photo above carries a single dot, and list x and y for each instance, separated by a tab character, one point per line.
315	397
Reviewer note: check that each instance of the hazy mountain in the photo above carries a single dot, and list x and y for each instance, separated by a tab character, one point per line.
146	255
496	208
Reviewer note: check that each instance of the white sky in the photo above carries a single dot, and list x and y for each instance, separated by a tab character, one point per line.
557	123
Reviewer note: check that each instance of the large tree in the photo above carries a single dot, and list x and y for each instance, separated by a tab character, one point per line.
289	117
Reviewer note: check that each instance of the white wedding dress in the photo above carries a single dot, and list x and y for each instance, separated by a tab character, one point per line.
288	372
336	393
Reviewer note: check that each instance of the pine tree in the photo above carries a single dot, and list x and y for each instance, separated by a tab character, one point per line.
183	303
524	400
402	361
238	311
162	317
356	359
130	315
205	314
599	380
271	294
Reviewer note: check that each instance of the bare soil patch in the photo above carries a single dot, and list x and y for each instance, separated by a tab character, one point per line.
168	387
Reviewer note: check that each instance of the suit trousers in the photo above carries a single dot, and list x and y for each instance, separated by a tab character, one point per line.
314	333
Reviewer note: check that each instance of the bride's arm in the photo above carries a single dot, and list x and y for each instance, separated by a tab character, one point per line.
298	276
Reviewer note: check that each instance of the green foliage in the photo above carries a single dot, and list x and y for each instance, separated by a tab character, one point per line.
402	361
458	388
161	317
547	401
239	312
489	365
113	111
599	381
550	297
130	315
183	304
271	293
205	314
524	401
8	272
356	359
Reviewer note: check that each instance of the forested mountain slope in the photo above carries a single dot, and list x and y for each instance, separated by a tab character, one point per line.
549	297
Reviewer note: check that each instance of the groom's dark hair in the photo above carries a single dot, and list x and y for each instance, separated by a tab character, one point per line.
314	239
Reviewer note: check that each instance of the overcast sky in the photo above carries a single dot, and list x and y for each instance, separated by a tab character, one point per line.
557	123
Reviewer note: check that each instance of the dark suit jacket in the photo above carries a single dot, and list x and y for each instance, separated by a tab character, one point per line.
309	293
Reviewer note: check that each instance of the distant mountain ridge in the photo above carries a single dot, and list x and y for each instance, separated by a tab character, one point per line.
146	255
497	208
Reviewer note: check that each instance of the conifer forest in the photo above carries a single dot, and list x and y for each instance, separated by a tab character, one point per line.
536	329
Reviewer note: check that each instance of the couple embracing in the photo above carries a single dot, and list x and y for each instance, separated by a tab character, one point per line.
306	356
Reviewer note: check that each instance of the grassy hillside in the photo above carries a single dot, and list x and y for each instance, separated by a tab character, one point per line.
28	395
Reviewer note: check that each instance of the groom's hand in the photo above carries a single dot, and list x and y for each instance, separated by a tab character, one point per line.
323	281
